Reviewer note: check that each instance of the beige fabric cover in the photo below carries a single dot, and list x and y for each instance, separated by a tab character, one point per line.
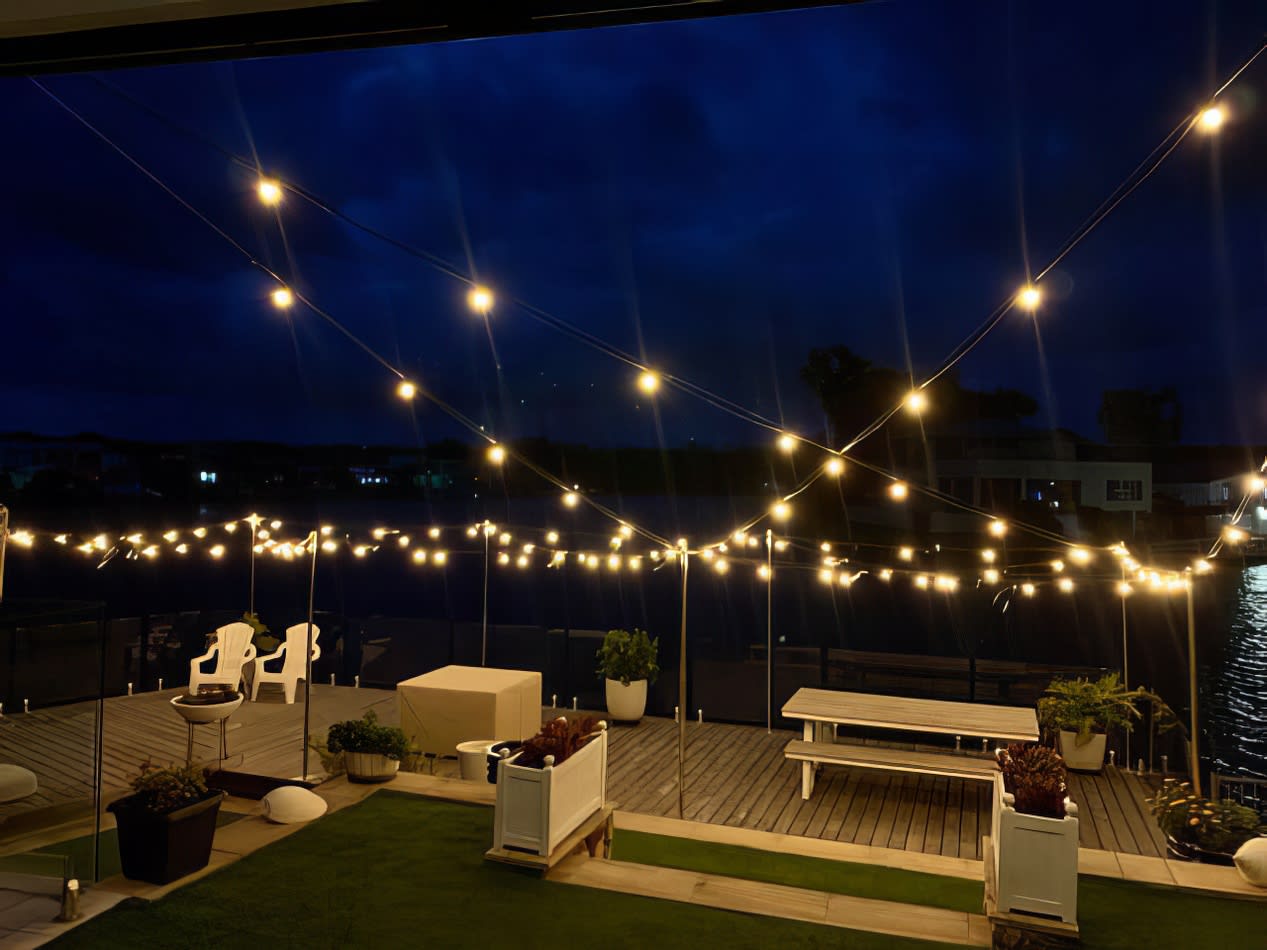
458	703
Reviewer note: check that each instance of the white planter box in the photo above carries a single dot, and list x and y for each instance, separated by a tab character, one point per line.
1035	859
538	808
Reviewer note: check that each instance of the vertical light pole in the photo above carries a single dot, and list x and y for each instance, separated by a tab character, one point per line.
312	586
254	522
681	694
769	629
1126	667
4	538
487	531
1193	754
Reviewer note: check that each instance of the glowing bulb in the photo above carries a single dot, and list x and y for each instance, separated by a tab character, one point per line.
1256	484
1202	566
781	511
503	538
133	539
720	566
1123	589
898	491
168	536
529	548
615	541
86	547
472	531
269	191
1057	565
503	558
433	534
200	533
834	466
826	576
780	546
217	551
1212	118
1027	589
1079	555
886	574
846	580
329	547
99	542
406	390
552	537
905	554
282	298
490	529
988	555
753	541
945	582
571	499
1233	535
739	537
496	454
327	530
1066	585
1029	298
360	550
991	576
921	581
707	554
635	563
763	572
825	547
231	527
916	401
522	561
648	382
787	443
998	528
275	525
591	561
440	558
403	541
263	534
480	299
626	531
613	562
150	552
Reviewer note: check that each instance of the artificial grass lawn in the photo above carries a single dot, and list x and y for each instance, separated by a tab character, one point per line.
815	874
1112	915
398	870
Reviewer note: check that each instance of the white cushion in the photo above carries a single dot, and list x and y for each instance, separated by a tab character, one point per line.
1251	861
291	805
16	782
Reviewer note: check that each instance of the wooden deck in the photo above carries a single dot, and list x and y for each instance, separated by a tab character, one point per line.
264	737
737	775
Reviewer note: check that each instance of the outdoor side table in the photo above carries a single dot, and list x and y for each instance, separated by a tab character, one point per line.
205	714
456	703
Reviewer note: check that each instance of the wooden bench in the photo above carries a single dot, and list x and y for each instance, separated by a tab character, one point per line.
892	760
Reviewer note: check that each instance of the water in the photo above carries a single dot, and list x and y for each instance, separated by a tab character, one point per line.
1236	687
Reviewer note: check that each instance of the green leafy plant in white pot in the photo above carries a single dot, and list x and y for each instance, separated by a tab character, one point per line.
627	661
1080	712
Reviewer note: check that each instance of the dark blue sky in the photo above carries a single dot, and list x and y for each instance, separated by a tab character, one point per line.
729	192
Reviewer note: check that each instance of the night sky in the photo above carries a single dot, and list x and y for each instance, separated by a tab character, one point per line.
723	194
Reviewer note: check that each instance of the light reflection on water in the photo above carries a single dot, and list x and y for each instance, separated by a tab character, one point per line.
1238	706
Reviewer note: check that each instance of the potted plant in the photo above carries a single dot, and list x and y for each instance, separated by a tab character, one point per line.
1081	711
1200	829
1035	834
371	753
550	784
628	663
167	824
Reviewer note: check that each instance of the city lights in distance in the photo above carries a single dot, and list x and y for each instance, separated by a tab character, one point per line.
648	382
834	466
496	454
406	390
282	298
916	401
898	491
480	299
270	192
1029	298
1212	118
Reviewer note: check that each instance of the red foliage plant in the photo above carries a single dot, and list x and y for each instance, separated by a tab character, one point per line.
1035	775
560	738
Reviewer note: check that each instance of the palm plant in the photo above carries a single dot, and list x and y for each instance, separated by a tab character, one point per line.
1086	707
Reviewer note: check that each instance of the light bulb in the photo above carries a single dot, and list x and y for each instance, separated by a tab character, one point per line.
1027	589
329	546
1202	566
571	499
231	526
780	546
420	556
905	553
825	547
522	561
167	536
991	576
921	581
433	533
763	572
217	551
480	299
503	558
834	466
626	531
440	558
886	574
1212	118
1123	589
787	443
1066	585
406	390
1079	555
269	191
916	401
648	382
1029	297
781	511
1257	484
552	537
988	555
898	491
503	538
282	298
998	528
496	454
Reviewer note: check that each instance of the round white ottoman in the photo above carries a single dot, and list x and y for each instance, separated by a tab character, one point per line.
290	805
1251	861
17	783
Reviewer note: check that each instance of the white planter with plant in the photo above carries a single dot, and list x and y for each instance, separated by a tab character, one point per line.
1034	835
551	784
370	752
627	661
1080	712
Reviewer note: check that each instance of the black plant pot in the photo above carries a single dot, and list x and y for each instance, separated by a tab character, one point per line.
162	848
1190	852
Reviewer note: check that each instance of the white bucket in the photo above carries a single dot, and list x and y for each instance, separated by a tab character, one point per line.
473	758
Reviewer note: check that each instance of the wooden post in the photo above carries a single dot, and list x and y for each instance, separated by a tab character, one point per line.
1195	763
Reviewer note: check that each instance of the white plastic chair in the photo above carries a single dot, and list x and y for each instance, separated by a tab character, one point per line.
232	649
293	668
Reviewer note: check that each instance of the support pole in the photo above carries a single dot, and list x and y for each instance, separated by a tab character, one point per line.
1126	667
4	539
312	586
769	630
1194	755
250	601
484	623
681	697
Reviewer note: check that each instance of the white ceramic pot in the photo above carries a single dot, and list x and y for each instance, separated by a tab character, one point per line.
370	767
1082	758
626	703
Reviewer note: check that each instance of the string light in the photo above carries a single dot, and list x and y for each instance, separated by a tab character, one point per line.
886	574
905	553
522	561
591	561
504	538
998	528
571	499
834	466
825	547
648	382
472	531
787	443
763	572
1029	298
1066	585
898	491
490	529
626	531
329	546
231	527
780	546
1202	566
845	579
433	534
740	537
496	454
406	390
1233	535
916	401
1256	484
946	583
480	299
217	551
282	298
275	525
921	581
1080	556
1124	589
22	538
403	541
440	558
552	537
990	575
503	558
529	548
1057	565
1027	589
988	555
269	191
1212	118
781	511
826	576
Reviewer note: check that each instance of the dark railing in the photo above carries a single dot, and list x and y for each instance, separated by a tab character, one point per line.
1251	792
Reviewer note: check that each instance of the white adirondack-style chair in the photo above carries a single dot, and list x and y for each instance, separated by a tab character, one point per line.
293	667
233	648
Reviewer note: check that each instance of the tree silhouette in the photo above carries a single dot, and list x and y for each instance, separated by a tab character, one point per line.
1141	416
